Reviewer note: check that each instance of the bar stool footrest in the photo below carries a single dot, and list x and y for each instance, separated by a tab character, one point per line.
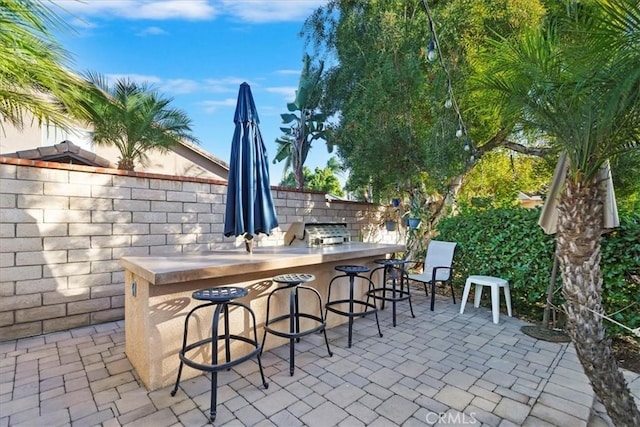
220	366
372	308
276	332
401	295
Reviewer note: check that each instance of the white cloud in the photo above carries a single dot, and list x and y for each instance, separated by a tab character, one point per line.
152	31
260	11
81	23
164	86
171	9
136	78
251	11
288	72
229	84
289	92
142	9
213	106
179	86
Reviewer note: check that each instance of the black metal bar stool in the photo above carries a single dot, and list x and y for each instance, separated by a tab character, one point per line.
293	282
221	298
353	273
394	269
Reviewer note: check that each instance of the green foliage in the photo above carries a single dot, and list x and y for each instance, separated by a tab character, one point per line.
305	123
507	242
135	119
572	82
325	180
626	180
321	179
34	80
503	242
500	175
394	124
621	272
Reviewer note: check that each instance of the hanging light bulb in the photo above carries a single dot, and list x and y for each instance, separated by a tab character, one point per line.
448	103
466	146
472	158
459	133
431	51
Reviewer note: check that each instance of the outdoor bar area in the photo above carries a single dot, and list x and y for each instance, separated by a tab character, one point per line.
158	295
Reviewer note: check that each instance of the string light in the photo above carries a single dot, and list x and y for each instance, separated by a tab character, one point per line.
431	51
434	46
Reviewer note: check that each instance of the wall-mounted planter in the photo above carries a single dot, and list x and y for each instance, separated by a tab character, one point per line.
395	202
390	225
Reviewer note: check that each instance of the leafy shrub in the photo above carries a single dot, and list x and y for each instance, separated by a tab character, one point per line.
621	272
508	243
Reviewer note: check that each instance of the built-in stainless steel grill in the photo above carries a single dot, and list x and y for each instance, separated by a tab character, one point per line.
315	234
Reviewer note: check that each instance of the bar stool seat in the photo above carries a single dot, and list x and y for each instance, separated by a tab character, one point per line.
353	272
293	282
391	268
221	298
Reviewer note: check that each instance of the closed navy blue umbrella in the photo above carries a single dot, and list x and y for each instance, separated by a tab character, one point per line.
249	209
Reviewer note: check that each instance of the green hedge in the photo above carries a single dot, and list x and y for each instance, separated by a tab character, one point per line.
508	243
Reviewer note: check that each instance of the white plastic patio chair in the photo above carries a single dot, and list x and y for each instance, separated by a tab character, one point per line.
437	268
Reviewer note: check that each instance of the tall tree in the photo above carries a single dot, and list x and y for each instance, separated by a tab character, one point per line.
403	118
135	119
306	123
575	82
321	179
33	74
325	179
501	175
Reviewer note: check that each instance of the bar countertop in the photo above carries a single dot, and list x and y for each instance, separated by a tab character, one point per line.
167	269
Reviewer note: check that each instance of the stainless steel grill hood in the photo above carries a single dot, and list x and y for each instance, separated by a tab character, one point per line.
316	234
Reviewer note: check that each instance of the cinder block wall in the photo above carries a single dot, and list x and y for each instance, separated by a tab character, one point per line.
63	229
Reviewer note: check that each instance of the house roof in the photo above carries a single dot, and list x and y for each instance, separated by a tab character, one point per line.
64	152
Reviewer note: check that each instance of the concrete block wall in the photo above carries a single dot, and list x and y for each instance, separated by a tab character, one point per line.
63	229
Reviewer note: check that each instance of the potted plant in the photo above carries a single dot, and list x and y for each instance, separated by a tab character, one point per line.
413	222
390	218
415	214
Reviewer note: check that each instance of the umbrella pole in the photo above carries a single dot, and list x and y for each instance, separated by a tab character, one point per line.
552	285
248	244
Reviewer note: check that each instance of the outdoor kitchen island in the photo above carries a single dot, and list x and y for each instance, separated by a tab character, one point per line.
158	295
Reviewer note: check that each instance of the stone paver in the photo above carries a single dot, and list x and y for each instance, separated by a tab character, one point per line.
435	369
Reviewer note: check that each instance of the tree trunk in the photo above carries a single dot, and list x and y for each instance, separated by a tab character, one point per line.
580	224
299	177
126	164
444	206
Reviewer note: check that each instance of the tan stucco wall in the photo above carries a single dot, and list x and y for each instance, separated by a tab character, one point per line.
12	139
170	163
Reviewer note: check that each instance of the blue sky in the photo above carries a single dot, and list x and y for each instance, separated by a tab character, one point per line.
198	52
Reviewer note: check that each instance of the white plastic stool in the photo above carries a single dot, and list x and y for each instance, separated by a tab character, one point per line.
496	283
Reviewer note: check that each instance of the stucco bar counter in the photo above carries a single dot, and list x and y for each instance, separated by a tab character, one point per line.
158	296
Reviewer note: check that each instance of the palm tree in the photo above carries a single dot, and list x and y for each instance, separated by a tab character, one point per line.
135	119
33	77
577	84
